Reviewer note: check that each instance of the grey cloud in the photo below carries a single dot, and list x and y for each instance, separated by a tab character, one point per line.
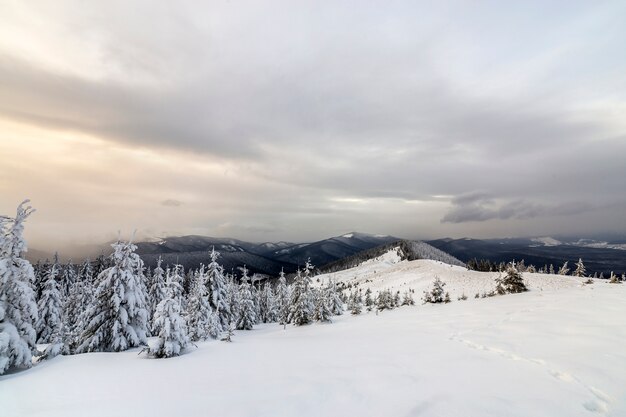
170	202
480	209
320	104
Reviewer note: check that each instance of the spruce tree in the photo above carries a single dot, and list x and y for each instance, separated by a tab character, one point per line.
49	307
512	282
437	293
18	309
68	279
199	314
247	313
334	298
322	311
282	299
564	270
218	291
172	335
156	292
407	299
580	271
118	318
268	304
175	284
354	304
369	302
301	307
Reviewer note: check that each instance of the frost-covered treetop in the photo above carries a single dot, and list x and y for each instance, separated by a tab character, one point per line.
12	243
214	255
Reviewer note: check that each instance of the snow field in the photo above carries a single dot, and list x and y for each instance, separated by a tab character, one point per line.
557	350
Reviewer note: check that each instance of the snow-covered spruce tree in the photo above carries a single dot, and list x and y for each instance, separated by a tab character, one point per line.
256	299
172	335
118	318
40	278
282	299
334	298
354	304
156	292
301	306
68	278
437	294
218	292
175	283
232	298
49	307
86	276
580	271
268	304
369	302
511	283
407	299
384	300
551	270
564	270
323	300
199	312
247	313
18	309
73	317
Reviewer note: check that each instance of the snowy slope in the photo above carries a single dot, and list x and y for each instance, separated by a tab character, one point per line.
557	350
390	272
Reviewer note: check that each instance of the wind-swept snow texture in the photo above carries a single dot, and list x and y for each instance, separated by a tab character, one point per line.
557	350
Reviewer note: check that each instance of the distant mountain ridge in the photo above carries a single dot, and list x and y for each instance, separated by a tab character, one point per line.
598	256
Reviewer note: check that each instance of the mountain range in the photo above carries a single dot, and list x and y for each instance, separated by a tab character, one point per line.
343	251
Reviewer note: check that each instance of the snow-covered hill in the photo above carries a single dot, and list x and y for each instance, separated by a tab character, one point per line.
557	350
389	271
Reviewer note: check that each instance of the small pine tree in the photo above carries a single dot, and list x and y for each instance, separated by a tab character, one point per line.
407	299
614	279
50	308
156	292
322	311
334	298
282	299
354	305
172	331
199	314
301	307
369	301
267	304
564	270
247	314
580	271
436	294
219	291
511	283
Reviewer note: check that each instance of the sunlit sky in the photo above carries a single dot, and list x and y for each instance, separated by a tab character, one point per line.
299	120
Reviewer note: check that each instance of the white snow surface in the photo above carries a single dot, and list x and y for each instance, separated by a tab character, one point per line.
557	350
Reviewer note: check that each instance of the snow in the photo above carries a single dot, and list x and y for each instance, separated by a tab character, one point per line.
348	235
390	272
556	350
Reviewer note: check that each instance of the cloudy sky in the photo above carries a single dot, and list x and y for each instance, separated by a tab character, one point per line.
298	120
